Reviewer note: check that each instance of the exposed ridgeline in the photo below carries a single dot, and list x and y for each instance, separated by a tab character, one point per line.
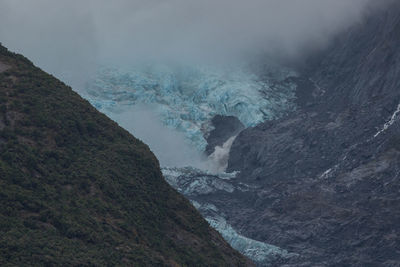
328	175
76	189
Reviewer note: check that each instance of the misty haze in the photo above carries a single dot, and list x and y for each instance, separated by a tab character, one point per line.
276	119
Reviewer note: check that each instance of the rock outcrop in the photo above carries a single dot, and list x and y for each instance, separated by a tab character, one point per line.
328	175
223	128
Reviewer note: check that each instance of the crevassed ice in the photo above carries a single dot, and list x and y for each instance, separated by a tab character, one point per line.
195	184
186	98
261	253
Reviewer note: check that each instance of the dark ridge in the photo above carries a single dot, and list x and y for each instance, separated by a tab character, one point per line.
77	189
326	178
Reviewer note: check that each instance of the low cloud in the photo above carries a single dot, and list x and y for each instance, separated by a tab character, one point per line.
168	145
69	37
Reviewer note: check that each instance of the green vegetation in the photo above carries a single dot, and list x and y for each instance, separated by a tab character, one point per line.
76	189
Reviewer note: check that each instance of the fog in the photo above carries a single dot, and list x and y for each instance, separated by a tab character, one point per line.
70	38
168	144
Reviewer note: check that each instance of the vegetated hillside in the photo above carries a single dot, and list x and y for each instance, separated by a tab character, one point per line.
76	189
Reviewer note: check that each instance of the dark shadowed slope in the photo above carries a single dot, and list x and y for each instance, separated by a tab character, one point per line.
76	189
328	176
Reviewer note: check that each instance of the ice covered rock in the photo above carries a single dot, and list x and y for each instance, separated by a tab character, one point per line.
261	253
187	98
194	184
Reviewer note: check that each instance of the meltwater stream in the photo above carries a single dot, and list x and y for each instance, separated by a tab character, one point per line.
170	108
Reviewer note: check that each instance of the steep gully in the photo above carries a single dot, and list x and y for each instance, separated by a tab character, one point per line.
313	179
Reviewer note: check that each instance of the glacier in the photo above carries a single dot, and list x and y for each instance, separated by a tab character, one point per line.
170	108
261	253
195	183
185	98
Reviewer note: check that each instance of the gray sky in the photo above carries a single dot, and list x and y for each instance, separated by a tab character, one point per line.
65	34
69	38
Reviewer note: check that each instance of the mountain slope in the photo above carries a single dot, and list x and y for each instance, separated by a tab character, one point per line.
327	176
76	189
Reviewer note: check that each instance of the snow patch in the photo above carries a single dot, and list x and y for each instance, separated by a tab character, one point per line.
326	174
261	253
194	183
390	122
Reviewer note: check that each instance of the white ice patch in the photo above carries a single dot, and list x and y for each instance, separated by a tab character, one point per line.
326	174
194	183
390	122
260	252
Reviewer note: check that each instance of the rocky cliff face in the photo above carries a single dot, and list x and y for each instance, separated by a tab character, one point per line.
223	128
327	176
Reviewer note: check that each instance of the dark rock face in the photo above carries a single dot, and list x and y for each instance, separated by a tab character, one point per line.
327	176
224	128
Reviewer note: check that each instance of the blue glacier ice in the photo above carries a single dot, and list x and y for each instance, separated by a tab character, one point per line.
195	184
261	253
170	108
186	98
